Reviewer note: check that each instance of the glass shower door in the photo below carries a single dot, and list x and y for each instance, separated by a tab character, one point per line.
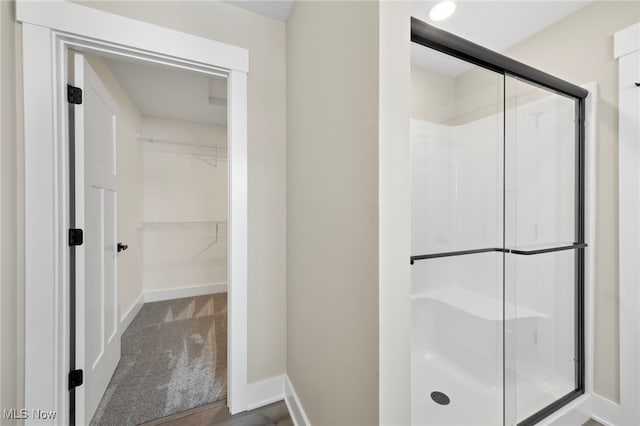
457	147
497	241
543	226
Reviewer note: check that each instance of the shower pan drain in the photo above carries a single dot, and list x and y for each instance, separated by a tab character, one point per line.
440	398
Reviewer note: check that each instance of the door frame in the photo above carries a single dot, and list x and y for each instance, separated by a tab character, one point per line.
49	29
627	54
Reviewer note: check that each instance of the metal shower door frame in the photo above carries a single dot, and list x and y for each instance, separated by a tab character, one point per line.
458	47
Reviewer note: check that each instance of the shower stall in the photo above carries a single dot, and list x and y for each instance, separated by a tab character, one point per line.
498	246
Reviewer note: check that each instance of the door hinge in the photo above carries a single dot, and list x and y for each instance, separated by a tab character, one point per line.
74	94
75	378
75	237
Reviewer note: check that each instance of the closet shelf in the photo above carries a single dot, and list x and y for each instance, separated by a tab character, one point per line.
208	153
184	225
219	227
478	305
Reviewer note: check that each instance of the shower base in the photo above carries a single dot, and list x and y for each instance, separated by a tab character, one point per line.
471	401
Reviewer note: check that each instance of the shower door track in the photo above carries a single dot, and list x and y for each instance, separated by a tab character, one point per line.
452	45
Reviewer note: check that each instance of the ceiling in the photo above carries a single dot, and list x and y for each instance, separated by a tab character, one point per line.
276	9
496	25
161	91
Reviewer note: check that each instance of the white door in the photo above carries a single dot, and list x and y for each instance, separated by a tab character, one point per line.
96	198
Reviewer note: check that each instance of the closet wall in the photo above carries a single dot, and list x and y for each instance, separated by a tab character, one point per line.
185	185
172	210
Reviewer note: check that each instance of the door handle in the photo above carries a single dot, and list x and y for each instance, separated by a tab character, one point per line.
547	250
122	247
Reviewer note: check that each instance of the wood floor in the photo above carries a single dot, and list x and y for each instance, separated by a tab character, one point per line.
218	414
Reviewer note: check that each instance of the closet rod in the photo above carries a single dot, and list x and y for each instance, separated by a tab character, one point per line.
181	143
184	225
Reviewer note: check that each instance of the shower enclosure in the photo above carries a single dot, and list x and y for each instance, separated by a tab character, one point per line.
497	236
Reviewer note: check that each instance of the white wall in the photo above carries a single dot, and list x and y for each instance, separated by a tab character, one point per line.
130	207
332	177
179	189
394	180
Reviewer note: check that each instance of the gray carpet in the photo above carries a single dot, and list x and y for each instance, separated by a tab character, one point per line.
174	358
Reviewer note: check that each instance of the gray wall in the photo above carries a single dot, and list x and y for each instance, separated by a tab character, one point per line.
332	209
433	96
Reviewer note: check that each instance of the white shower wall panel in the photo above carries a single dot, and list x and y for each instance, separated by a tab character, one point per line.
540	212
457	186
540	172
456	200
433	184
477	206
458	205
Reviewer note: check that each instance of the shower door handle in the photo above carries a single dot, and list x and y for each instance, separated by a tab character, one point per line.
412	259
496	249
547	250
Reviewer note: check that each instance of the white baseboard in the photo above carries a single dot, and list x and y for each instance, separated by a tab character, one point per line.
588	406
608	412
296	411
178	293
265	392
575	413
126	319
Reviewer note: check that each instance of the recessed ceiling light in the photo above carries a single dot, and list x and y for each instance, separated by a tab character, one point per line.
442	10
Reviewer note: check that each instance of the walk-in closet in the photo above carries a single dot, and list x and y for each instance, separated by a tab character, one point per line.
169	201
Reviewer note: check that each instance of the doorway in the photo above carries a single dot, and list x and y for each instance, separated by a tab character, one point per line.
151	196
48	36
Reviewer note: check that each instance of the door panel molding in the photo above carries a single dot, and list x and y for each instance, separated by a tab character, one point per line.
97	349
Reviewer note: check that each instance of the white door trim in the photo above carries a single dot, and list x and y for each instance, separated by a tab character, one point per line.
49	28
627	52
